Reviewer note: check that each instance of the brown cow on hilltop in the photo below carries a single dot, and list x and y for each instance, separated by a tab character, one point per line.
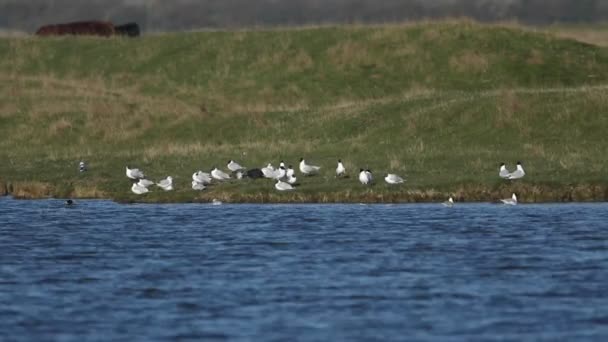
89	28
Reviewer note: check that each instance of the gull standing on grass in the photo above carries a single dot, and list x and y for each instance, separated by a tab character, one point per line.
364	177
82	167
138	189
308	169
392	178
503	172
519	173
234	166
510	201
340	170
166	184
219	174
134	173
283	186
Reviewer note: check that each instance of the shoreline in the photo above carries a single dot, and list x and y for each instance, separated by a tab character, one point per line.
471	193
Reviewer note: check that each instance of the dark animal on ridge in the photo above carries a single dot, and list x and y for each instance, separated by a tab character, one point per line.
254	173
128	29
88	28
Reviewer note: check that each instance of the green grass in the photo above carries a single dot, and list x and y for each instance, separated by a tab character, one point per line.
441	103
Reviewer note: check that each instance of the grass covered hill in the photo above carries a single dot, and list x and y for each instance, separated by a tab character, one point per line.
442	103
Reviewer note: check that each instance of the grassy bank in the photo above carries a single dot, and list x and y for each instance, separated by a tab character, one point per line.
442	103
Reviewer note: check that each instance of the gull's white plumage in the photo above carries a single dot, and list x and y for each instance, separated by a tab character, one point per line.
197	186
364	177
234	166
510	201
201	177
268	171
392	178
307	169
283	186
138	189
134	173
449	202
219	174
166	184
518	173
145	182
340	170
503	172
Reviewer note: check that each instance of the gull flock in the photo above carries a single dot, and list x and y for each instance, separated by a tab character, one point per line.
285	177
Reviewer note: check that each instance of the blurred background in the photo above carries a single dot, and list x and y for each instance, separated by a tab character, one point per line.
177	15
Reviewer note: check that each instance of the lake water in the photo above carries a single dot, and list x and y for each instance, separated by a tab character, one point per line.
113	272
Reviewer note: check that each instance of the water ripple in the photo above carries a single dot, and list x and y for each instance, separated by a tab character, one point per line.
105	271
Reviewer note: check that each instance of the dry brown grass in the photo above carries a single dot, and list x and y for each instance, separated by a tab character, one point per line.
507	105
535	57
87	191
597	37
349	53
60	126
470	62
31	190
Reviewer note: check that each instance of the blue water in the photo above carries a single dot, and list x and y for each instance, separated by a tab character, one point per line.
111	272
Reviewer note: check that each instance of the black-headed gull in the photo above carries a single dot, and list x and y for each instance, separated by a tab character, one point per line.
340	170
449	202
364	177
518	173
290	172
503	172
510	201
307	169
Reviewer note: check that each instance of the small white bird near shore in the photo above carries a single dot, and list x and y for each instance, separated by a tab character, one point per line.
449	202
510	201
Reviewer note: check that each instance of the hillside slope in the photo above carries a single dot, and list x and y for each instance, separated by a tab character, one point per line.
442	103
